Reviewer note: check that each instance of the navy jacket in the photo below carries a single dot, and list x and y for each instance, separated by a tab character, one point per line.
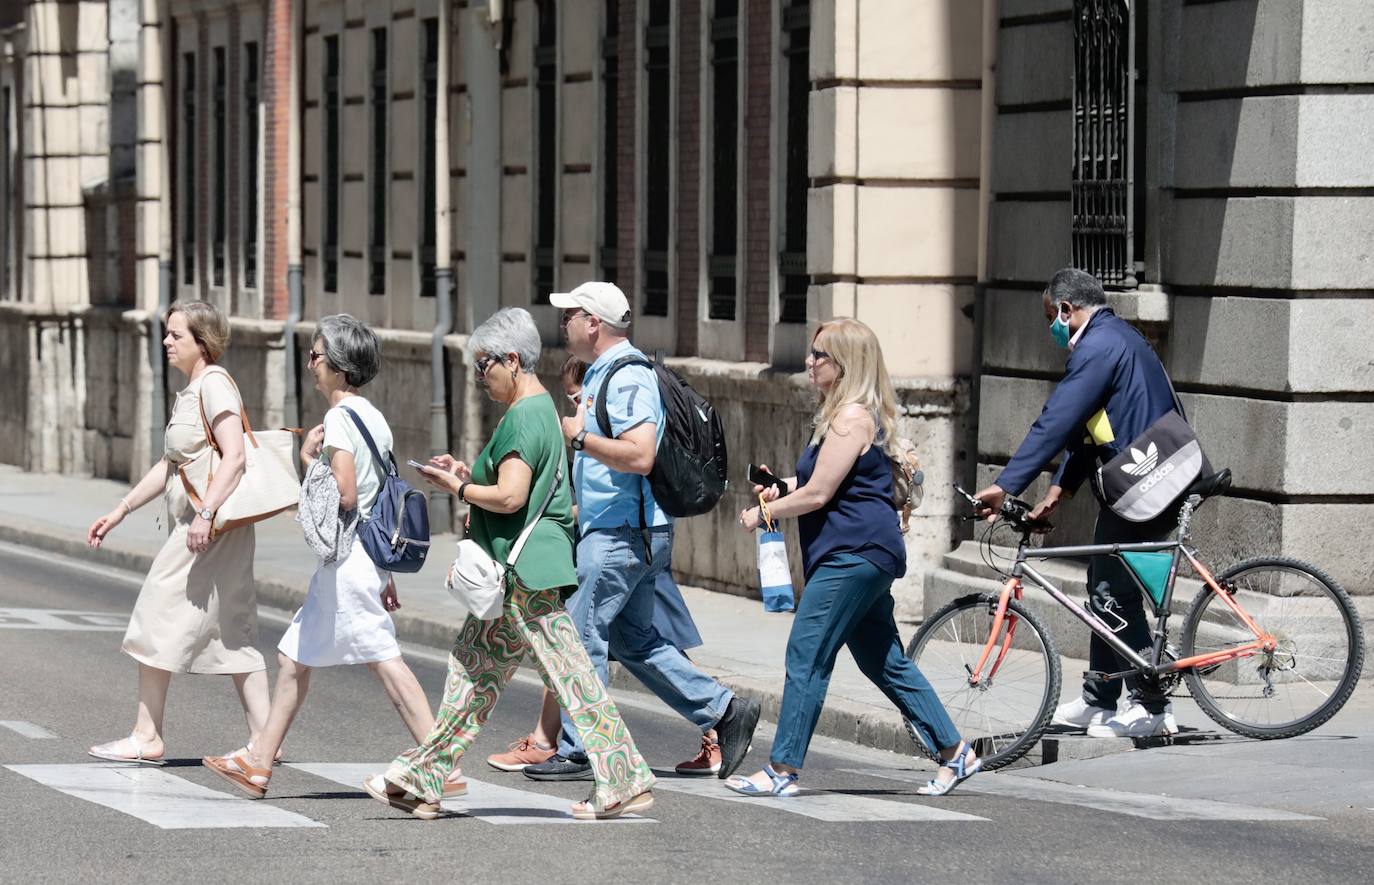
1114	388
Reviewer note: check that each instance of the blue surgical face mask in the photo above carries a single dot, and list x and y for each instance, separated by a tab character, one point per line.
1059	331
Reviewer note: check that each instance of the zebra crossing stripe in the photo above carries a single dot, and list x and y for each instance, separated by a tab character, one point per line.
1146	805
819	804
490	803
28	729
60	619
159	798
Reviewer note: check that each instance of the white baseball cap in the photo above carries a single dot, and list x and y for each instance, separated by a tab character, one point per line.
604	301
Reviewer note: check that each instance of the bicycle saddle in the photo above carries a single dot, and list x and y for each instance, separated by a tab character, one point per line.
1212	484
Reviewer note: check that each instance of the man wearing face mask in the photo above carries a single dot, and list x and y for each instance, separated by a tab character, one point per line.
1114	388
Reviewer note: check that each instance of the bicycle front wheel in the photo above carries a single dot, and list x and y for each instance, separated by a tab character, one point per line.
1009	708
1310	673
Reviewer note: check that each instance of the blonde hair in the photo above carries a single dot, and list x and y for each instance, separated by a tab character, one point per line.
206	324
862	379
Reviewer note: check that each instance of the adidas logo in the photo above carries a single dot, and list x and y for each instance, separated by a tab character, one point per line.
1144	461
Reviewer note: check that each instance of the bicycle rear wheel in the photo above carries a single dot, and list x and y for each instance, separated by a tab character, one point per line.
1009	709
1306	679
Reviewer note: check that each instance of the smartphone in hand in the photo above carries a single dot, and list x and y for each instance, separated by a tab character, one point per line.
417	465
760	477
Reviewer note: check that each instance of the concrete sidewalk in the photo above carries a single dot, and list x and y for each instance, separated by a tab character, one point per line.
743	645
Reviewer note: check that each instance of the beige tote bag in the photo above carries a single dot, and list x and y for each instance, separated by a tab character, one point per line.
269	484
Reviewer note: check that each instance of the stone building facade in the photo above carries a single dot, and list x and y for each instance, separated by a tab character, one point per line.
744	169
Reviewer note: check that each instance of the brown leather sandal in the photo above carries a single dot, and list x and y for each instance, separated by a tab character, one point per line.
584	810
241	774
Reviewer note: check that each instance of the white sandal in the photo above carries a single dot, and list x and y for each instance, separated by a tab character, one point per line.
108	752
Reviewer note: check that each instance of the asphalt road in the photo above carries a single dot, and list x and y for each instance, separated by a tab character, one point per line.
859	821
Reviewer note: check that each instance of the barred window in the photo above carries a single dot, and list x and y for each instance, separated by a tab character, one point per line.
1104	201
724	159
221	217
658	174
376	260
430	84
546	150
188	168
796	86
250	168
331	164
610	142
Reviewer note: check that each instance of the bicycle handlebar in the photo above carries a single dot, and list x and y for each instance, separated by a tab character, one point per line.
1013	510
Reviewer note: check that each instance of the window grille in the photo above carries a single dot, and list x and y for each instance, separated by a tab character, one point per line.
657	178
188	168
331	164
796	53
610	142
1103	131
376	260
724	159
430	79
546	152
250	122
221	228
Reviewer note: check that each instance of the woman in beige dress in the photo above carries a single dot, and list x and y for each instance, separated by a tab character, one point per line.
197	611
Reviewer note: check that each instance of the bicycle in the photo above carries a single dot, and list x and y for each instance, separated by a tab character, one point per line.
1270	648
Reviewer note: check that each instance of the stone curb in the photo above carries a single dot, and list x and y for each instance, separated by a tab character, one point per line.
841	720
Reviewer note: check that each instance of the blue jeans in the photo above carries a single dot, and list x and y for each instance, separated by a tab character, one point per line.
613	610
847	602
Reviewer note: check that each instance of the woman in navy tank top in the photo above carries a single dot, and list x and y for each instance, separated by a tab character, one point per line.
852	550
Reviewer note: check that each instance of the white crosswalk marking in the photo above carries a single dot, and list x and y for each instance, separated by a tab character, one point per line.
820	805
28	729
487	802
1144	805
59	619
158	797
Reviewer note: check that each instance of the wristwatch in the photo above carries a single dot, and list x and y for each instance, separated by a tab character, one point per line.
205	513
579	442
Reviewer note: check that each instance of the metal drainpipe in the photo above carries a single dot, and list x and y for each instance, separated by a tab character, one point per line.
166	266
295	270
443	270
988	122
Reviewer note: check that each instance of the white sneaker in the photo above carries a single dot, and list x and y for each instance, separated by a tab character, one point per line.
1136	722
1079	714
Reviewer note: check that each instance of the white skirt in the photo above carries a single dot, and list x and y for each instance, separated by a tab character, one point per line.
342	620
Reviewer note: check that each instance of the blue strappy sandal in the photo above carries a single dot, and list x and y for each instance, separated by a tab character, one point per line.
963	770
783	784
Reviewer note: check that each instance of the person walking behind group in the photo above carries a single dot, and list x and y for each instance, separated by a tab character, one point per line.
522	466
1114	387
671	617
626	538
852	550
197	611
345	618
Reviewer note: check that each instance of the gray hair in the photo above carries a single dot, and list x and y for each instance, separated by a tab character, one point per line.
1078	287
509	330
350	347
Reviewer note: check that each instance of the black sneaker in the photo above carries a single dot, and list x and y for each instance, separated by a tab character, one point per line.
734	732
560	768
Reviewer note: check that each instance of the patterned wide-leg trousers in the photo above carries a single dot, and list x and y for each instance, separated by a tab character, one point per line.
484	657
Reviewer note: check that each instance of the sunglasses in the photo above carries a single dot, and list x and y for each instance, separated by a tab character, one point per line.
818	355
574	398
313	357
485	363
574	314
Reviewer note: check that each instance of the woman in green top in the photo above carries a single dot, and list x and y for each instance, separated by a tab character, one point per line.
504	487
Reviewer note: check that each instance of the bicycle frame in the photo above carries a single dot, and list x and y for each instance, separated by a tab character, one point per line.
1014	586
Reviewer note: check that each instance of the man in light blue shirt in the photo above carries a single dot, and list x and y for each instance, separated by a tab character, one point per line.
626	542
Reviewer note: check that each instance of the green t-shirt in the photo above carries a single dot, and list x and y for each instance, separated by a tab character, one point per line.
530	430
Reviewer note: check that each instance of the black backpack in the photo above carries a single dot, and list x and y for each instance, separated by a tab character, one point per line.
690	470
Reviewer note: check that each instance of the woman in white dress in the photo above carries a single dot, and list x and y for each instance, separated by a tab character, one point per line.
197	611
345	618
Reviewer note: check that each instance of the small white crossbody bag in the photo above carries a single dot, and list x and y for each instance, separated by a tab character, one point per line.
477	580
